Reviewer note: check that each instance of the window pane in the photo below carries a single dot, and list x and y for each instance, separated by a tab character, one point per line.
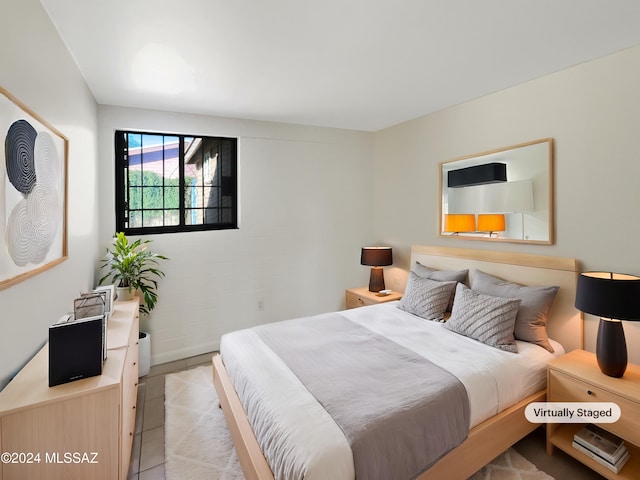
172	217
135	140
152	198
135	178
135	198
227	215
193	216
211	215
171	197
209	197
152	218
135	219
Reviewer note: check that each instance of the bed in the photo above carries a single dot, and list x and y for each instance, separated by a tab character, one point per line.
494	418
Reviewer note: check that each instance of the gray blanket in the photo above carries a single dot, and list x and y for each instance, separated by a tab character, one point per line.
399	412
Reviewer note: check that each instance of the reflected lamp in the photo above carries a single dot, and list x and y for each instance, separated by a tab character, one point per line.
491	222
459	222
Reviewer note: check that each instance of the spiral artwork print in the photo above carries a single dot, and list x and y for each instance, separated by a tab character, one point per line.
31	162
33	193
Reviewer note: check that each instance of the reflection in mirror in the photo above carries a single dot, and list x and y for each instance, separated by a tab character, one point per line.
503	195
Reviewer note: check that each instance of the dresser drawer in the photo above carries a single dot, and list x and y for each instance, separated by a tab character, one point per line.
565	388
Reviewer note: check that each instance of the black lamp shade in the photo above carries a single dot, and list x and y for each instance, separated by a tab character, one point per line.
612	297
376	256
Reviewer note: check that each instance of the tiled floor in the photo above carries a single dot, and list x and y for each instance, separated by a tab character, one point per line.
147	457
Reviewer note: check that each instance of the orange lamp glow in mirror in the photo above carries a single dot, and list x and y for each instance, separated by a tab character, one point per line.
459	222
491	222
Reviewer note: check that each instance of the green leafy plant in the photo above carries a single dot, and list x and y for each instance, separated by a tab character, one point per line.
132	265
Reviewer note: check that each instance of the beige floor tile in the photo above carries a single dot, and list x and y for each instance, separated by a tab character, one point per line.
152	448
155	473
153	414
154	387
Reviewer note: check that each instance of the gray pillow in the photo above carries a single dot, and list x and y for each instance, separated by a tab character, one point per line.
487	319
531	322
442	276
426	298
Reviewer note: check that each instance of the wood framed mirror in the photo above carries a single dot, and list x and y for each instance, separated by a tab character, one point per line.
503	195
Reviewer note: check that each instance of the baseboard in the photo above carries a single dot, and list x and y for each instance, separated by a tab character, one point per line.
183	353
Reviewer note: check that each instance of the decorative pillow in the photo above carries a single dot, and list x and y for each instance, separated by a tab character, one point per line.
531	322
426	298
487	319
442	276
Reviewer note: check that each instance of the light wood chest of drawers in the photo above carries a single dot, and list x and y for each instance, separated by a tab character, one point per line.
54	427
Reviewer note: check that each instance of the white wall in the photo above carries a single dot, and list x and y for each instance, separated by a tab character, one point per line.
36	68
591	110
305	211
310	199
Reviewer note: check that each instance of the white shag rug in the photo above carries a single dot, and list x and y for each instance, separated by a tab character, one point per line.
198	445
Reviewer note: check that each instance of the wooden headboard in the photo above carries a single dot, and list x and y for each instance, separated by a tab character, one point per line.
565	321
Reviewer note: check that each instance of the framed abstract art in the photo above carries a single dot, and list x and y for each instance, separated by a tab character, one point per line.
33	193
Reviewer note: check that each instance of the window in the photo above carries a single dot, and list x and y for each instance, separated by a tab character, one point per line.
175	183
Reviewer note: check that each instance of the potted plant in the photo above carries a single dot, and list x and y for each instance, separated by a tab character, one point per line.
132	267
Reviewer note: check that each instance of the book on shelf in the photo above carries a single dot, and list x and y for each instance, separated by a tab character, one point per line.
605	444
614	467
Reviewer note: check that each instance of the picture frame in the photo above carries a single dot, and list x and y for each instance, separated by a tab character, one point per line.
33	192
111	295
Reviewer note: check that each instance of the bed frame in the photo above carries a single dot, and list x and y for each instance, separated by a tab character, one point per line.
493	436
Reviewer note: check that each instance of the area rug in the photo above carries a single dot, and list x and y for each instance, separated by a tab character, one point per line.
198	445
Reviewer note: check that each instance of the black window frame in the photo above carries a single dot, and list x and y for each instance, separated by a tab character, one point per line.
121	193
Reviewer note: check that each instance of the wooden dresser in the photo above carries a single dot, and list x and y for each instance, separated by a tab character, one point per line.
79	430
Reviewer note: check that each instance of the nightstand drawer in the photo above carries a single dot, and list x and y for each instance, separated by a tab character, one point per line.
354	300
564	388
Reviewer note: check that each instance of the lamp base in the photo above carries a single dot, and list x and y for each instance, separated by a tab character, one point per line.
376	279
611	348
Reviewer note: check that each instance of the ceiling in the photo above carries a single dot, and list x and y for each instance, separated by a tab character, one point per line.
357	64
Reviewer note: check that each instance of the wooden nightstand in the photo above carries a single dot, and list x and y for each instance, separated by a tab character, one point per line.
575	377
359	297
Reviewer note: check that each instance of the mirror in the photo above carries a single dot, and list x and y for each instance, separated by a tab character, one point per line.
502	195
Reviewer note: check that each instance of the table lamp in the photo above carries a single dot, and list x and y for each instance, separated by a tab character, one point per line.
613	297
376	257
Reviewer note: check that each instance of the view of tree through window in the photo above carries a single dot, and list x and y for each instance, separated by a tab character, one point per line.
169	183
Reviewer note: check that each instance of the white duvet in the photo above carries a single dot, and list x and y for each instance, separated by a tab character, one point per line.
299	438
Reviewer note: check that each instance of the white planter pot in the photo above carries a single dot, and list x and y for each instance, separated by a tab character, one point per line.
125	293
144	353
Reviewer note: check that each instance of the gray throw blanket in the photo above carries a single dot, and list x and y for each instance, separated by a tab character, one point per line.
399	412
